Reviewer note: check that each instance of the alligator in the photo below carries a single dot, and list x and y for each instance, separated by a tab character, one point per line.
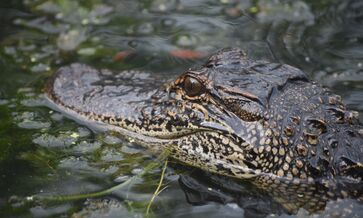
248	119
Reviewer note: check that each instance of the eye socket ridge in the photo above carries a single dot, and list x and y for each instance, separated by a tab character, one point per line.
193	86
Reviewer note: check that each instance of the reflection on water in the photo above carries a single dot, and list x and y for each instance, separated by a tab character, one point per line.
45	153
283	197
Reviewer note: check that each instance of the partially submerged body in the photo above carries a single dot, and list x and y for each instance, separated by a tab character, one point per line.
237	117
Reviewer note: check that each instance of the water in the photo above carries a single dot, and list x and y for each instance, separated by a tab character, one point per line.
44	153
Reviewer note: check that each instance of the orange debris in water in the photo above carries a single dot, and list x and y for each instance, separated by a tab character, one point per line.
120	56
187	54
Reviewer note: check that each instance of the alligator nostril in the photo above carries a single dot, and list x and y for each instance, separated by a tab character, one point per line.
212	64
209	64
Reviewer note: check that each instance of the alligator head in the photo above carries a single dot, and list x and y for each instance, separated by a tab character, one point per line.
233	116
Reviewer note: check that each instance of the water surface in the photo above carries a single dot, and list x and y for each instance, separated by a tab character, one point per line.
44	153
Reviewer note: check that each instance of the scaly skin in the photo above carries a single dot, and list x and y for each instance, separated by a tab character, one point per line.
234	116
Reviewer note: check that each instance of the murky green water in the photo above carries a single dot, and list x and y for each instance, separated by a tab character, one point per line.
44	153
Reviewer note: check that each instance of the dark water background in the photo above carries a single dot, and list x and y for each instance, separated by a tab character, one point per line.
41	152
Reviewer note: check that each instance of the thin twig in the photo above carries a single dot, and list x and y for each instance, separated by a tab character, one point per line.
157	191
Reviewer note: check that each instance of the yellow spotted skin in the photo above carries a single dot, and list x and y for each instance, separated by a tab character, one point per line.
234	116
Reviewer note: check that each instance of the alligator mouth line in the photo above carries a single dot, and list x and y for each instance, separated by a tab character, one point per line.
175	135
99	126
203	127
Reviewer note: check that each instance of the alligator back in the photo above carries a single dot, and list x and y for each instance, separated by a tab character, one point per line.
325	138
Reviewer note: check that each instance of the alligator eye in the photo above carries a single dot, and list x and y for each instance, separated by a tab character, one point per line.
192	86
